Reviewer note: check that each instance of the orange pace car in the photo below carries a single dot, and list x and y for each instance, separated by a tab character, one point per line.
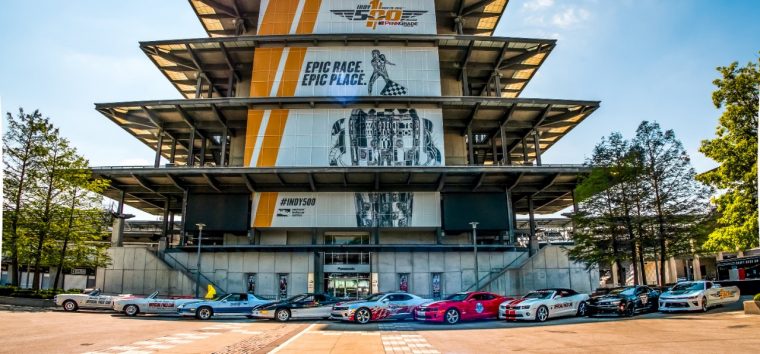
461	306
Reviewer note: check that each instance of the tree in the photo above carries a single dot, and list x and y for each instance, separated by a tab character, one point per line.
23	150
735	149
676	196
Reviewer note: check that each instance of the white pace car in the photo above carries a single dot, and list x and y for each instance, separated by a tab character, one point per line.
543	304
697	295
151	304
92	299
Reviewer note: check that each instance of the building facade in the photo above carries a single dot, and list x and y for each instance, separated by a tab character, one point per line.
350	147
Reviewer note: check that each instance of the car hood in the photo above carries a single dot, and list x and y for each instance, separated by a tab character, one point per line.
681	293
603	298
440	303
523	302
354	303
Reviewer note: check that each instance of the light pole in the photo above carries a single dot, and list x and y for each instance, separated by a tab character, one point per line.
475	252
198	264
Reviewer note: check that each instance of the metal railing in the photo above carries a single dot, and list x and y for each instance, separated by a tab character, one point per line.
493	275
189	272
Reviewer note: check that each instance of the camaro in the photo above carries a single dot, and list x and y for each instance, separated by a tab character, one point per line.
625	301
697	295
461	306
235	304
313	306
93	299
540	305
150	304
380	306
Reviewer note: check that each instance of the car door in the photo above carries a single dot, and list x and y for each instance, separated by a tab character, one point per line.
562	303
232	304
491	304
400	305
476	306
323	306
642	300
304	307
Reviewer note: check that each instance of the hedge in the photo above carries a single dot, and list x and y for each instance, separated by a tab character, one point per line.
9	290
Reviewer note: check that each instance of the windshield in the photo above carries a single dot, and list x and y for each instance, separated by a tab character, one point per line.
538	295
688	286
622	291
295	298
153	295
374	298
456	297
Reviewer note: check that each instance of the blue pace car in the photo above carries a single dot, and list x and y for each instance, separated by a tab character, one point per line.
235	304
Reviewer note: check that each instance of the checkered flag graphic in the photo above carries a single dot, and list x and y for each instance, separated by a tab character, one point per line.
393	89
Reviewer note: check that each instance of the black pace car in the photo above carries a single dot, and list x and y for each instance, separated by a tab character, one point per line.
625	301
303	306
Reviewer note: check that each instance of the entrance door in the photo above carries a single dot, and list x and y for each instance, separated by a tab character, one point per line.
347	285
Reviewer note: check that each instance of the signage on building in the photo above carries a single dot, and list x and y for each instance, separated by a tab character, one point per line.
342	209
345	137
346	268
79	271
347	16
346	71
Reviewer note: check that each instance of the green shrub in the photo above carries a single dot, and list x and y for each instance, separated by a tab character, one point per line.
7	290
757	297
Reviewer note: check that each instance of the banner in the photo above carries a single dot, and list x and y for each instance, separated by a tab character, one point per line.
345	209
345	71
344	137
347	16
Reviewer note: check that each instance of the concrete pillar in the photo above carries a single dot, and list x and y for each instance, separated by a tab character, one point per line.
533	242
159	147
697	268
117	234
470	142
537	145
525	152
615	275
672	271
510	218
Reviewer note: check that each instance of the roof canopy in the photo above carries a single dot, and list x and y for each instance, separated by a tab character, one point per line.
148	188
233	18
485	116
220	60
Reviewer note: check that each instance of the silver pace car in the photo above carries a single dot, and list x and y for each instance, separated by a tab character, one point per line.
153	304
381	306
697	296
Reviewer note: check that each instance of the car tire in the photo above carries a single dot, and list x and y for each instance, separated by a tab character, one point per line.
282	315
542	314
582	309
629	311
70	306
362	315
452	316
204	313
131	310
704	304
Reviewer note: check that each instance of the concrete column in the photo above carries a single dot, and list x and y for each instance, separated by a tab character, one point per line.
525	152
117	234
159	147
537	145
672	270
465	83
615	275
533	243
495	152
506	160
173	153
224	147
697	268
510	218
191	148
470	142
204	142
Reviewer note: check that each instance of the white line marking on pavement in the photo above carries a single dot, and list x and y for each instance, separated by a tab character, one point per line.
293	338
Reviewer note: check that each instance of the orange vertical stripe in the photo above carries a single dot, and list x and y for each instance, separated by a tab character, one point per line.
265	209
308	17
291	72
278	17
265	63
270	145
255	117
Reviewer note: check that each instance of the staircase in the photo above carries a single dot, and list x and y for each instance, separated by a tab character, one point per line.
173	263
496	273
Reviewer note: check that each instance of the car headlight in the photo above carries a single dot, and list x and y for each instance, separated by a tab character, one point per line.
694	297
523	307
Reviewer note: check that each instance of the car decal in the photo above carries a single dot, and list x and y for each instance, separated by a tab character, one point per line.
479	307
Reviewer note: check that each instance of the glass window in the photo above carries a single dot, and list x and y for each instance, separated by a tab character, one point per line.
344	239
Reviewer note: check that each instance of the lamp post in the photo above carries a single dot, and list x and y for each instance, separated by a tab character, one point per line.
475	252
198	264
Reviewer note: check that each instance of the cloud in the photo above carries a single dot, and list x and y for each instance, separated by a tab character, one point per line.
570	17
536	5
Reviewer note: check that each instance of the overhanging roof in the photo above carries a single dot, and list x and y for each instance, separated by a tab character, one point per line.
217	60
234	18
147	188
519	117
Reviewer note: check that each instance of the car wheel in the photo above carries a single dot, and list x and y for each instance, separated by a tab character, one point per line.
362	316
451	316
282	315
204	313
704	304
70	305
582	309
131	310
628	312
542	314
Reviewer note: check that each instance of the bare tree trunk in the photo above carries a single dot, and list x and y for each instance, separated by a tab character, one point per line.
65	242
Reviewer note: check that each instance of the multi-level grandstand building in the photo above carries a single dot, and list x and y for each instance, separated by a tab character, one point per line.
346	146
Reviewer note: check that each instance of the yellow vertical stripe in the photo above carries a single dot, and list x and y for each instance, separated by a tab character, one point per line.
266	209
308	17
255	116
278	17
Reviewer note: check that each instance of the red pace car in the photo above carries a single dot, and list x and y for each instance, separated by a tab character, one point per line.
474	305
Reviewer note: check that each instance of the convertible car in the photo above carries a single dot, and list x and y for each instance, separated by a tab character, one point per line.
697	296
227	305
461	306
540	305
625	301
380	306
151	304
92	299
303	306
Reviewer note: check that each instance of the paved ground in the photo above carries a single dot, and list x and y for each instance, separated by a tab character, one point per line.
28	330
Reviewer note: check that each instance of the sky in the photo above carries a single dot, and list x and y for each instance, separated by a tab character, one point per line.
643	59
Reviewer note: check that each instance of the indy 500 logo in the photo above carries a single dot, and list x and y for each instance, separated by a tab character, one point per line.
375	14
